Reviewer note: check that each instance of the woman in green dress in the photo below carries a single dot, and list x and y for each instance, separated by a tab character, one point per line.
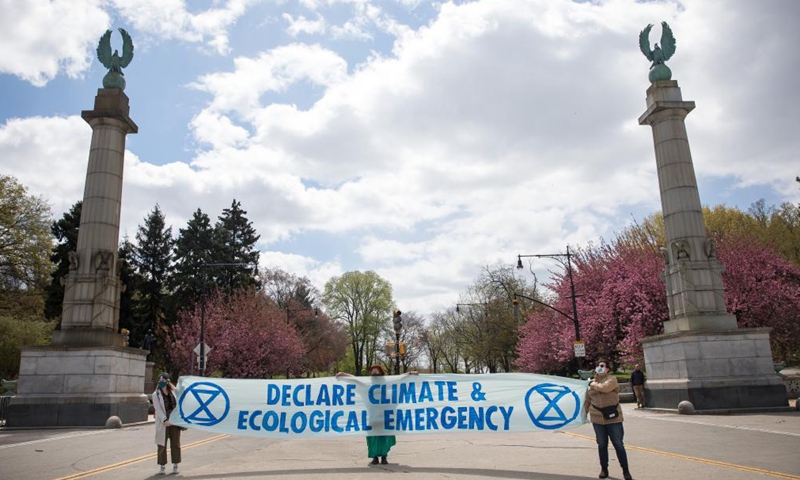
378	446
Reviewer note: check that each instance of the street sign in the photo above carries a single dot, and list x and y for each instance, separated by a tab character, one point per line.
580	348
197	349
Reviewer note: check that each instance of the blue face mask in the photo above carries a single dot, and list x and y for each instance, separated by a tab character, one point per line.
162	384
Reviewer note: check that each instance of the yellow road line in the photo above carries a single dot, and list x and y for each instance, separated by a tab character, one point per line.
707	461
115	466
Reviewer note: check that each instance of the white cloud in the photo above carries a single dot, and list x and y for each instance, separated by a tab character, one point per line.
217	130
58	146
42	38
169	19
276	70
318	272
498	128
303	25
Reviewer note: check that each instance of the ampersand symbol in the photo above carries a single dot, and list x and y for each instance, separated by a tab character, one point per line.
476	394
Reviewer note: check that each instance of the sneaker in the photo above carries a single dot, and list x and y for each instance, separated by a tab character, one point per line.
174	468
374	461
162	470
603	473
384	461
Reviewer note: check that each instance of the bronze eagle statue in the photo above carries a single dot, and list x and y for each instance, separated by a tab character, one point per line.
114	62
659	55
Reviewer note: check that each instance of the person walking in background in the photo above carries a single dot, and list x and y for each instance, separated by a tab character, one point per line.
602	407
164	402
637	382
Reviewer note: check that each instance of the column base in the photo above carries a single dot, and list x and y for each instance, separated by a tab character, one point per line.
724	370
65	411
62	386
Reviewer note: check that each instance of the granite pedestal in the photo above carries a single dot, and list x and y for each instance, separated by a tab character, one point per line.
79	386
725	370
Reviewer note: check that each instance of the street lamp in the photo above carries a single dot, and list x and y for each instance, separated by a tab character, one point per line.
202	365
558	257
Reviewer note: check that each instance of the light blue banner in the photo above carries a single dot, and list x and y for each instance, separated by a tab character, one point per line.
391	405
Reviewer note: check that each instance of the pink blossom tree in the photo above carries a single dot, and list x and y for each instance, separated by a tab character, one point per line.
763	290
249	337
624	300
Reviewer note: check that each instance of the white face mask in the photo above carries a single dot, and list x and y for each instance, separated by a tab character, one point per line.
600	369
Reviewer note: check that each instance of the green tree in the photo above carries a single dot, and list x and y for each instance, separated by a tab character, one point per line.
152	258
129	296
24	246
194	247
284	288
432	342
15	333
784	230
484	326
65	231
362	301
236	238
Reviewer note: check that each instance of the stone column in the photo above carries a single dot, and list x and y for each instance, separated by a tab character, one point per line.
695	295
90	314
702	356
88	373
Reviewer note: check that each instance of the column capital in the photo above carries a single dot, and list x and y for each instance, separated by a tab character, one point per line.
664	96
111	103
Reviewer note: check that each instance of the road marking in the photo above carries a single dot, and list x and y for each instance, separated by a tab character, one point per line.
125	463
707	461
709	424
58	437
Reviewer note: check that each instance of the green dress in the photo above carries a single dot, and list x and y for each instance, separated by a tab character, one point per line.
379	446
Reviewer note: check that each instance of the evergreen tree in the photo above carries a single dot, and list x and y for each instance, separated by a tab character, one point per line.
236	238
153	261
128	297
65	231
194	248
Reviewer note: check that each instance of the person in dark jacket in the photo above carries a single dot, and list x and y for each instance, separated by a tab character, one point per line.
637	382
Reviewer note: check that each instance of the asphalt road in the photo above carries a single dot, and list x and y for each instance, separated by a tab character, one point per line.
660	446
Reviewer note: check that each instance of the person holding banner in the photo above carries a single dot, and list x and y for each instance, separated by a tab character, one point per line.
378	446
602	407
164	402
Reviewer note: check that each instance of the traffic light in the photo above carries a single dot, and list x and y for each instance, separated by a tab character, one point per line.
397	319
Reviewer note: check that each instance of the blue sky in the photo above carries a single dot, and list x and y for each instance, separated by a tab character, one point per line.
419	139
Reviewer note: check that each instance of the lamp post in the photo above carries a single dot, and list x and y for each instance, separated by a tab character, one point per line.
568	265
202	363
397	321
